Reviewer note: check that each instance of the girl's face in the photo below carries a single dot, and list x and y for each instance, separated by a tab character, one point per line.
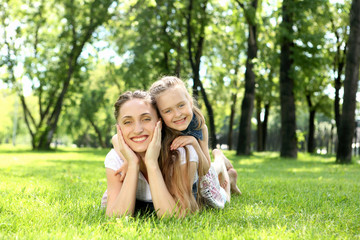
137	120
175	108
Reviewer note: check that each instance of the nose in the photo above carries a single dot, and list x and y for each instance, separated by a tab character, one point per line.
177	112
138	127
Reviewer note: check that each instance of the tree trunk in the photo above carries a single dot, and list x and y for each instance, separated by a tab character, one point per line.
287	100
195	60
265	125
231	120
347	119
339	63
247	105
312	112
259	130
98	133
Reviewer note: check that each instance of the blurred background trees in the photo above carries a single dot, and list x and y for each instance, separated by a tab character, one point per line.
63	64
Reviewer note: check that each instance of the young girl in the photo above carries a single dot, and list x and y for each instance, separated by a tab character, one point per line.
178	111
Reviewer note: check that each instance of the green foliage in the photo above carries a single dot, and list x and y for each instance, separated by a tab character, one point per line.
41	41
57	195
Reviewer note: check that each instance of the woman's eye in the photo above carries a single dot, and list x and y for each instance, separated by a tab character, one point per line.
147	119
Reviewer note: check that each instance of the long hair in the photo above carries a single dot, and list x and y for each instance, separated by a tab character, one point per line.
178	182
169	161
157	88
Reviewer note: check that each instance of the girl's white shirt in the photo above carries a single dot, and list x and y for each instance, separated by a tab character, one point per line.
114	162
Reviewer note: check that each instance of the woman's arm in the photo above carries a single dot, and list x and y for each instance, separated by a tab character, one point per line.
164	203
121	195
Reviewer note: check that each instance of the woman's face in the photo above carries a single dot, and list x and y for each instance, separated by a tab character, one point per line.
137	119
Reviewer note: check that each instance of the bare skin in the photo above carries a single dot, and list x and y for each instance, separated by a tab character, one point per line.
218	154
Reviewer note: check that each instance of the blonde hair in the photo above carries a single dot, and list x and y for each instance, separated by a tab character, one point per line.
157	88
177	182
169	161
168	82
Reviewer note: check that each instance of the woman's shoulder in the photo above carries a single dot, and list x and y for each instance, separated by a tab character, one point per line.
113	160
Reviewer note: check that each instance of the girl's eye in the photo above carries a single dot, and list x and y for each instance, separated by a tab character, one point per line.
167	111
181	105
126	122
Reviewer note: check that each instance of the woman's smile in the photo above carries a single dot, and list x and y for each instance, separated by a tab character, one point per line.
140	139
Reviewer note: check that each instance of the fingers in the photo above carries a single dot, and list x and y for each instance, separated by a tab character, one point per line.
158	131
122	177
118	171
119	134
156	139
181	142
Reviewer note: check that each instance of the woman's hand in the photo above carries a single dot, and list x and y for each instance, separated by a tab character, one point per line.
153	150
182	141
125	150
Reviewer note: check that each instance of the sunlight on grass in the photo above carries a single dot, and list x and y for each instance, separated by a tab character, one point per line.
57	195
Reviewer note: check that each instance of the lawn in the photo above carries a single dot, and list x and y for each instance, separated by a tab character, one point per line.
56	195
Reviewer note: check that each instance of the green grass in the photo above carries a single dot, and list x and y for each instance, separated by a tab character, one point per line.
56	195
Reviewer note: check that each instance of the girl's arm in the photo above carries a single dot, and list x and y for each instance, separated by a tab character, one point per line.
201	148
204	144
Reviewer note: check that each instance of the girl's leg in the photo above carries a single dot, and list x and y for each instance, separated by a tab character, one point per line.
218	154
223	175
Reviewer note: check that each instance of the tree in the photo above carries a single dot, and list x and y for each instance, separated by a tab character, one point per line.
347	119
247	106
195	29
266	70
338	19
287	98
56	33
312	62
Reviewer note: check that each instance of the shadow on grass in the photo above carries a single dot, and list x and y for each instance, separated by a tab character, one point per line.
92	151
55	170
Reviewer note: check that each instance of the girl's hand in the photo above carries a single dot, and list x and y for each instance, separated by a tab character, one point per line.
182	141
122	171
153	150
125	150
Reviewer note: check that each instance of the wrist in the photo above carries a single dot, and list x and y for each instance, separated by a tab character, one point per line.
152	166
133	164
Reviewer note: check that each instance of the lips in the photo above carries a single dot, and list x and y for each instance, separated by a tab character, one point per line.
181	121
139	139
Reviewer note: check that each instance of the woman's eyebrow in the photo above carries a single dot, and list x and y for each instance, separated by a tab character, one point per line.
143	114
124	117
146	114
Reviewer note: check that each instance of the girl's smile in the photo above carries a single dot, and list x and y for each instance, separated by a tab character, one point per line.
175	108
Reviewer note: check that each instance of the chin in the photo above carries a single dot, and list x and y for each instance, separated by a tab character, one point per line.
139	149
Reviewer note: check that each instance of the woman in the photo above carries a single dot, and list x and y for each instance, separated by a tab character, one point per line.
166	181
139	131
